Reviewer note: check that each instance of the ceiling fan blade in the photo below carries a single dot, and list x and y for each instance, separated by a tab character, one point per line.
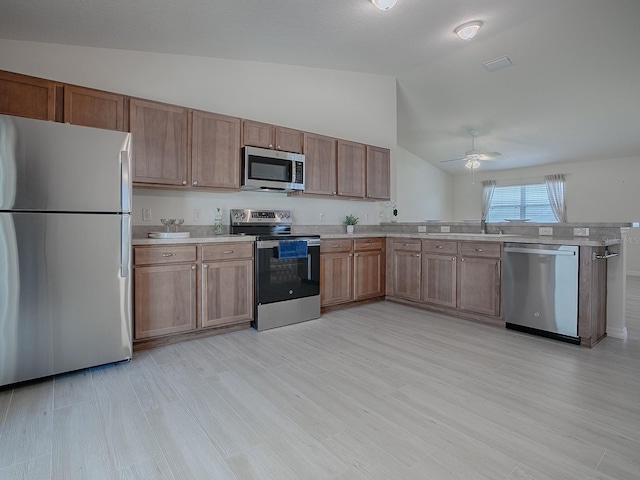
489	156
454	160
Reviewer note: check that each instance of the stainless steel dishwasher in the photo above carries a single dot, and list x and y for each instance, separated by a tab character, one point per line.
540	289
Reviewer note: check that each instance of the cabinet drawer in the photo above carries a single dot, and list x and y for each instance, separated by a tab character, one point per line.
336	245
362	244
227	251
164	254
410	244
439	246
480	249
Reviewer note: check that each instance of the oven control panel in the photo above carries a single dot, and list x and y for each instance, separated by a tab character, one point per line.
277	217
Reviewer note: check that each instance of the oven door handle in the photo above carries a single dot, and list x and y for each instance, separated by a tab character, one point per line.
264	244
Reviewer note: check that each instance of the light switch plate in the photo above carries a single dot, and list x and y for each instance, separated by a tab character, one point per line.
197	215
146	214
444	229
545	231
581	232
422	229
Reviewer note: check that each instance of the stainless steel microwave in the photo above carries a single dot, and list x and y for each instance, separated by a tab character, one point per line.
272	170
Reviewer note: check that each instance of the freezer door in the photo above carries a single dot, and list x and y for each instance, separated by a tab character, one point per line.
57	167
64	303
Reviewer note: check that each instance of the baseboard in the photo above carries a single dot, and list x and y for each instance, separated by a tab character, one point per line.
632	273
616	332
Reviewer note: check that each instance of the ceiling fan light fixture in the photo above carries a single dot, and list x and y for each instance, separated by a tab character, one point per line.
384	4
472	164
466	31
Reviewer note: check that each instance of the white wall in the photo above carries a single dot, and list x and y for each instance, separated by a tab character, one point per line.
424	192
596	191
353	106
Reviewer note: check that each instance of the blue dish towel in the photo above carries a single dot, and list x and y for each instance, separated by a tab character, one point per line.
292	249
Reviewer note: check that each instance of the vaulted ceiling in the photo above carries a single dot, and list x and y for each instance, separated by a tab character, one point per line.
572	93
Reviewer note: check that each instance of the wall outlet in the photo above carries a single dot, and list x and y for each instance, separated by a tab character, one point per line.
444	229
322	218
366	218
146	214
581	232
197	215
545	231
422	229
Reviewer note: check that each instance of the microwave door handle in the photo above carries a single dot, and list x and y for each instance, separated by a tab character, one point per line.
309	266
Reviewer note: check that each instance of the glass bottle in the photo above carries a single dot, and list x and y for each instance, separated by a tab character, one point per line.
217	222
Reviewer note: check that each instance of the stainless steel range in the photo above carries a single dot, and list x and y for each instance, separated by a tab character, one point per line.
287	268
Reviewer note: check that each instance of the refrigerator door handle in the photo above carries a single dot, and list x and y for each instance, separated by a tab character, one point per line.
125	246
125	175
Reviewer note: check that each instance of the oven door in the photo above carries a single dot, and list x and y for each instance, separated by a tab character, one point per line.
280	279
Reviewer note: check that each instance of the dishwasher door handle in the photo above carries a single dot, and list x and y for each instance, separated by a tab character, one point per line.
532	251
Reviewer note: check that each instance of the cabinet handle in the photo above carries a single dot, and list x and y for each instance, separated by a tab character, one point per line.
368	244
351	254
193	267
477	249
438	246
334	193
357	254
227	252
168	255
417	254
204	265
462	259
195	182
279	148
453	259
340	193
337	246
271	145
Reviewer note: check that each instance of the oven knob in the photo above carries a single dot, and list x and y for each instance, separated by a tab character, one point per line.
290	292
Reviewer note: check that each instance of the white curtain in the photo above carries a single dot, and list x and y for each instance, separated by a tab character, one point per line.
555	189
488	187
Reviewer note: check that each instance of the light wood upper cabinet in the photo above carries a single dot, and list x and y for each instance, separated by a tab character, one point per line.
94	108
27	96
378	173
288	140
215	150
159	143
265	135
320	164
351	169
256	134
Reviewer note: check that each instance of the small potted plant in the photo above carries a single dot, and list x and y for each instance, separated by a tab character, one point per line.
350	220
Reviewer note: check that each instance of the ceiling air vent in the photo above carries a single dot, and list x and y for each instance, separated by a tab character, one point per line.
498	63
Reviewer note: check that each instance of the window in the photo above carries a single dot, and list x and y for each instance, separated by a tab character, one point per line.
522	202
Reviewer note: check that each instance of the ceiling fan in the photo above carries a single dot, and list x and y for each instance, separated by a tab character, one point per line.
473	157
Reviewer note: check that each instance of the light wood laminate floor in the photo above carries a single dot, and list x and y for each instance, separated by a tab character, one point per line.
633	307
381	391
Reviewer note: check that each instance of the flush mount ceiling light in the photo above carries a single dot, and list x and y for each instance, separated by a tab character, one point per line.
384	4
468	30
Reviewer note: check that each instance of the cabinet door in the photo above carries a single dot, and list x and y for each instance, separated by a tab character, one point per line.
215	151
378	173
368	274
159	143
407	268
479	285
227	292
164	300
288	140
320	164
93	108
336	278
26	96
351	169
257	134
439	279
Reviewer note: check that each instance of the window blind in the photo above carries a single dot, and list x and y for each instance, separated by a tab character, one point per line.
521	202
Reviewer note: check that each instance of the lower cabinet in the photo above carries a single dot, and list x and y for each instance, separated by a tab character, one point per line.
170	297
227	284
459	275
351	270
164	290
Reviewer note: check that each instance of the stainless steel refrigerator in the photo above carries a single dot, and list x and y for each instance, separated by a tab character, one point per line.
65	291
